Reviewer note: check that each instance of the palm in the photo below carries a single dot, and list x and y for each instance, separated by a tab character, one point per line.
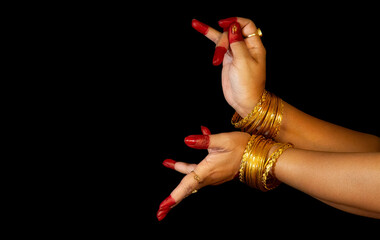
228	68
242	87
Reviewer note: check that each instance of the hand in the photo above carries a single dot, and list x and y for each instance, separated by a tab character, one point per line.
243	73
221	165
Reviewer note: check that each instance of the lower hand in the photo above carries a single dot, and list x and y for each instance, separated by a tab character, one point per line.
220	165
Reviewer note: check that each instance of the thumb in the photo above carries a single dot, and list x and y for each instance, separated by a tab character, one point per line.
238	47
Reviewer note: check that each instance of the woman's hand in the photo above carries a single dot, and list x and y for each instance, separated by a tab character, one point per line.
243	73
221	165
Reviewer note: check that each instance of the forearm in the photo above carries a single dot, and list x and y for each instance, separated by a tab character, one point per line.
347	181
352	210
308	132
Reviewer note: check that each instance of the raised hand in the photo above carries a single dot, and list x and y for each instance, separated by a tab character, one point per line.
243	73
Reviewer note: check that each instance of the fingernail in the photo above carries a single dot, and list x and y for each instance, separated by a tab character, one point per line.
218	55
165	207
199	26
234	33
198	141
205	130
169	163
225	23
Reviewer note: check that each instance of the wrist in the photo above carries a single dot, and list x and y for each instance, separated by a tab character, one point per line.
247	106
244	111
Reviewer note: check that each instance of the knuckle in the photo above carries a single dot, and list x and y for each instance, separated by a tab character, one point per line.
186	186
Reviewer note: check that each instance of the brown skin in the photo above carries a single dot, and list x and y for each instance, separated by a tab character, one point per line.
243	82
336	165
347	181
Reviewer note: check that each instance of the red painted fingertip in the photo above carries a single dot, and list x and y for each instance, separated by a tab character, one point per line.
169	163
205	130
225	23
218	55
234	33
198	141
199	26
165	207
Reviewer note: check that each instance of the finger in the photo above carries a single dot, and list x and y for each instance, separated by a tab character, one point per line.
181	167
169	163
220	49
189	183
185	188
165	207
238	47
206	30
205	130
197	141
254	44
225	23
213	142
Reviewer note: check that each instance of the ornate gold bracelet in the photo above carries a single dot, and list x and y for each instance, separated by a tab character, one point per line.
269	181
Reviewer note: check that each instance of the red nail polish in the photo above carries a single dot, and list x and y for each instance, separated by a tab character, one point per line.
198	141
205	130
225	23
218	55
234	33
169	163
165	207
199	26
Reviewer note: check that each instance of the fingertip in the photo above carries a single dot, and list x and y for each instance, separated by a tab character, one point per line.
197	141
169	163
234	33
205	130
219	55
199	26
165	207
225	23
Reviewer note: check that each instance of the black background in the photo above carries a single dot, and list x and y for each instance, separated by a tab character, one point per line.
155	84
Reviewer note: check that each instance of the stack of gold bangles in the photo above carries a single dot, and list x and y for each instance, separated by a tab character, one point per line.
256	166
265	119
264	124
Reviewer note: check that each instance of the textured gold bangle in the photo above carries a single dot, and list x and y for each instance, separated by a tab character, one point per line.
268	181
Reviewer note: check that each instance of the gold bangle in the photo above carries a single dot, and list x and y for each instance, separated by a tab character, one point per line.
268	181
254	160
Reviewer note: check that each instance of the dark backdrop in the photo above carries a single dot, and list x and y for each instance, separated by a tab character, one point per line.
158	85
321	62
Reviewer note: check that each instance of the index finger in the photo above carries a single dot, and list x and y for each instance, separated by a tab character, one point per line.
206	30
188	184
